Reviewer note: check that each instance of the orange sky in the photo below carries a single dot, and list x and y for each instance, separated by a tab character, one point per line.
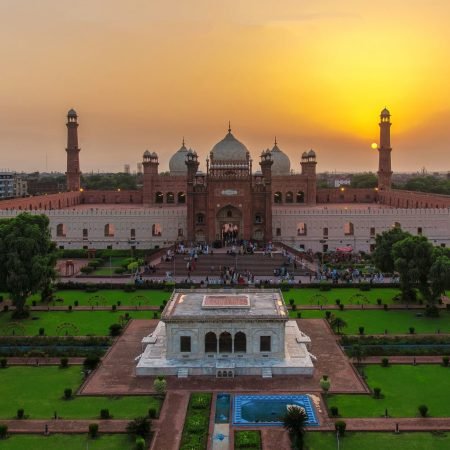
144	73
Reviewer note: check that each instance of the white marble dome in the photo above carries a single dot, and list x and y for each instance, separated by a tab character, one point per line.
229	149
281	163
177	164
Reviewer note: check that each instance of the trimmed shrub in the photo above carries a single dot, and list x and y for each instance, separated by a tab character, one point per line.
423	410
160	385
155	315
328	315
140	443
64	363
385	362
200	401
334	411
104	414
91	362
294	307
3	363
152	413
377	392
385	306
75	303
161	308
291	301
445	361
115	329
3	431
338	301
361	330
341	306
93	430
67	394
20	413
299	315
114	308
140	427
41	331
70	308
412	330
340	427
33	303
379	301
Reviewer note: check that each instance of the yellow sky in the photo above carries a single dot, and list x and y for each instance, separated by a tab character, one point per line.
143	74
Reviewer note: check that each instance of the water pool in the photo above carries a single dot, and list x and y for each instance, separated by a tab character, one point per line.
222	408
268	409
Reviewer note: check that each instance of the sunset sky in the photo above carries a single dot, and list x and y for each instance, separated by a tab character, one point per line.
143	73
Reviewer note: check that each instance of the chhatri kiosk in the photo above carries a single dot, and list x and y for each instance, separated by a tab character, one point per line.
225	333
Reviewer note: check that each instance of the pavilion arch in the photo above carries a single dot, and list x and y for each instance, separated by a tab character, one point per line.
181	197
349	229
170	197
240	342
159	197
301	229
300	197
210	342
156	229
277	197
289	197
109	230
225	342
61	230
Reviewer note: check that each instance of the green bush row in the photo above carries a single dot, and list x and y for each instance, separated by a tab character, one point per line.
196	425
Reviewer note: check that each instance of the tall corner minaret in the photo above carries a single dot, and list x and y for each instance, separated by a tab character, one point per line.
73	159
384	152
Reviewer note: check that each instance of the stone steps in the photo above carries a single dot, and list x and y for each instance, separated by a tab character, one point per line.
182	373
266	372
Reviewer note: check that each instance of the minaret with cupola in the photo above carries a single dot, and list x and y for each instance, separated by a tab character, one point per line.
73	160
150	163
266	169
384	152
192	169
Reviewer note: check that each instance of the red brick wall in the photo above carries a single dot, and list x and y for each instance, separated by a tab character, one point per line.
410	199
45	202
347	195
112	197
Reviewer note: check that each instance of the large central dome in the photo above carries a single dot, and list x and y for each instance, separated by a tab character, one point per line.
229	149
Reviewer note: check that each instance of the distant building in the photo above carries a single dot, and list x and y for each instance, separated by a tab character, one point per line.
341	181
12	185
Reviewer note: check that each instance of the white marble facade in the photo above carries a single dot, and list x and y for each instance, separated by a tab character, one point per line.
226	333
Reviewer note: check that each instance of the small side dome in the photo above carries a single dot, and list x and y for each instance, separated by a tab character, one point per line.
311	154
72	113
281	163
146	154
154	155
304	155
177	164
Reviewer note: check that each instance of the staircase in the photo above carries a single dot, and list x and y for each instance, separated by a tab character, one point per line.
266	372
182	373
209	265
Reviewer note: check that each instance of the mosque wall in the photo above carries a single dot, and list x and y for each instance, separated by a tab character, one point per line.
111	197
42	202
413	199
346	195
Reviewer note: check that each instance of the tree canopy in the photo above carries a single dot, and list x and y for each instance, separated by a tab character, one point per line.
364	180
427	183
382	255
27	257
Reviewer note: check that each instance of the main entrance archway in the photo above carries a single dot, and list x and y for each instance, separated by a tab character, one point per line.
229	225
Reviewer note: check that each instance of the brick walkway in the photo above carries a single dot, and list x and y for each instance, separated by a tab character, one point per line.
403	359
30	361
171	421
64	426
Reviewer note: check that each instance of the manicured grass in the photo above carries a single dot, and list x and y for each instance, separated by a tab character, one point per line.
403	389
86	323
377	441
376	322
39	391
196	425
348	296
248	439
109	297
67	442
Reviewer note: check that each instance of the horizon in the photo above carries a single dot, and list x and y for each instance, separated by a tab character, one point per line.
145	75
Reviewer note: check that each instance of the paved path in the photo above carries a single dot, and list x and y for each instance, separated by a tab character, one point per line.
64	426
404	359
41	361
171	420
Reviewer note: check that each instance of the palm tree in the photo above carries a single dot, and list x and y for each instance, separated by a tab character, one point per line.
294	421
337	324
358	353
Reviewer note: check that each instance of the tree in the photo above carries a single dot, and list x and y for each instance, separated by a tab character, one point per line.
141	426
382	255
27	257
294	421
439	276
160	385
357	352
364	180
413	258
337	324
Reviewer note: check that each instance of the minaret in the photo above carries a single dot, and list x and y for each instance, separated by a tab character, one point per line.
266	169
150	164
192	168
73	160
384	150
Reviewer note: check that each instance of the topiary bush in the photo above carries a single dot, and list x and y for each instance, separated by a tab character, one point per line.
20	413
152	413
361	330
115	329
423	410
3	363
334	411
3	431
412	330
93	430
91	362
445	361
140	443
340	426
67	394
104	414
64	363
385	362
377	392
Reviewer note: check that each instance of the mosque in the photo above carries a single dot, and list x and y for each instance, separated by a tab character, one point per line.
237	198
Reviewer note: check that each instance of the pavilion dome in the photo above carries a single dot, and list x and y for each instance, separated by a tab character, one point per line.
229	149
177	163
72	113
281	163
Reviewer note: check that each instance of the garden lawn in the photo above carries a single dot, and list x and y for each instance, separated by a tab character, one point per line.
196	425
107	297
67	442
348	296
76	323
39	391
377	441
376	322
404	388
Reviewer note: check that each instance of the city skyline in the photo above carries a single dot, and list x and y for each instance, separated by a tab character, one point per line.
144	75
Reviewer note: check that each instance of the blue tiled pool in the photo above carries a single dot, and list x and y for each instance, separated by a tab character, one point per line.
222	409
268	409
